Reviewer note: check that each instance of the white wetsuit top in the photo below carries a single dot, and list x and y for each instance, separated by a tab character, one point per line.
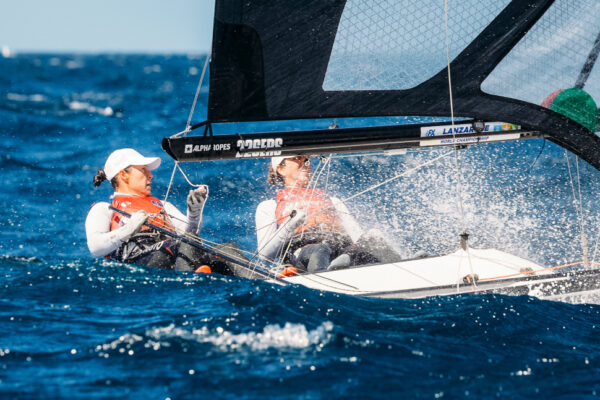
102	241
270	239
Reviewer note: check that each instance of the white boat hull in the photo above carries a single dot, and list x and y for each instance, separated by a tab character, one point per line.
497	271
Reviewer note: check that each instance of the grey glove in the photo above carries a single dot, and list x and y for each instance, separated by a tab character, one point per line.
134	225
298	219
195	203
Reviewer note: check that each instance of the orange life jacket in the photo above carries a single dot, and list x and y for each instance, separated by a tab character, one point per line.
321	214
151	205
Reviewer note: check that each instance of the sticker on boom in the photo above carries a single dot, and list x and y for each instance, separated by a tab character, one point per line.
465	129
258	147
195	148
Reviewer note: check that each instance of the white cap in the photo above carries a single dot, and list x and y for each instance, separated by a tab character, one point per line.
275	161
123	158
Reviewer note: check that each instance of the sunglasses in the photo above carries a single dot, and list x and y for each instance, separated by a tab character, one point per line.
302	160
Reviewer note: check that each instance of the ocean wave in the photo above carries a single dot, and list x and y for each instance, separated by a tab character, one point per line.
19	259
83	106
36	97
289	336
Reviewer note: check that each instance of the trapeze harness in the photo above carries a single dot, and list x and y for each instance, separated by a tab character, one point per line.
147	239
323	225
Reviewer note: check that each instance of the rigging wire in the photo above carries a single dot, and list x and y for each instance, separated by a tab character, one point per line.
456	156
314	178
187	129
584	242
189	121
578	207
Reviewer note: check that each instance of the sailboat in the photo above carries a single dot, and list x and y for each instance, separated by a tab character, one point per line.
471	73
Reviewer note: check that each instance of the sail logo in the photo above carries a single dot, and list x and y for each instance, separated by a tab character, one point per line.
266	147
446	130
195	148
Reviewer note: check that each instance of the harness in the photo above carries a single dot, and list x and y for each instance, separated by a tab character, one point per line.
323	225
147	239
320	211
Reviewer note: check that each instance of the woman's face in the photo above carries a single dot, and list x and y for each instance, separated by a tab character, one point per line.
295	171
137	180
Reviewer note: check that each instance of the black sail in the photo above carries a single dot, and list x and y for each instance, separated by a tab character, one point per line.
279	60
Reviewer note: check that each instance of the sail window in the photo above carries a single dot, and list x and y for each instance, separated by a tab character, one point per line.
551	55
395	45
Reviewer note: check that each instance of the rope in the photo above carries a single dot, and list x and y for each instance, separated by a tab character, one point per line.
187	129
578	207
314	178
584	243
373	187
456	157
536	271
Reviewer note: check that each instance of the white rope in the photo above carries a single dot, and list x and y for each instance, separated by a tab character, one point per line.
170	182
373	187
187	129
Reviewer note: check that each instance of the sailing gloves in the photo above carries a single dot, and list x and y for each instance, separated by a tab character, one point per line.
298	219
195	204
133	226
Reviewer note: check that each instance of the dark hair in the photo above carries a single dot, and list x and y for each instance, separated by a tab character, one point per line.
274	178
101	177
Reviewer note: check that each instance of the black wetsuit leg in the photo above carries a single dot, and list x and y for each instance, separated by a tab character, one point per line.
161	255
189	258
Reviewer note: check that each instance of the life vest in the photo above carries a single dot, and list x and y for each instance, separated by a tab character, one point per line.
151	205
320	211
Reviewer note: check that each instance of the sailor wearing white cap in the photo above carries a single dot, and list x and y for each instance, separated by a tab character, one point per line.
306	227
114	236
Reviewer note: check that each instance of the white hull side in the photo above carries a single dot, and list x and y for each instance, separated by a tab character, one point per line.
422	273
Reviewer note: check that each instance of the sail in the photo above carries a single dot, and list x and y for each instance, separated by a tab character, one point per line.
529	63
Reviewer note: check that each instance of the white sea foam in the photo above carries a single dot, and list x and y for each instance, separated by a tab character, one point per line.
74	64
588	297
83	106
272	336
152	68
26	97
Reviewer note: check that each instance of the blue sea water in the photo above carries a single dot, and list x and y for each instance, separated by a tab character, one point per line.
72	326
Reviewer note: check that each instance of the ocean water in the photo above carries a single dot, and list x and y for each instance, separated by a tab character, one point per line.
72	326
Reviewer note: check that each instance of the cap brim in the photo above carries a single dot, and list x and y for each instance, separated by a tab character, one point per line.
154	162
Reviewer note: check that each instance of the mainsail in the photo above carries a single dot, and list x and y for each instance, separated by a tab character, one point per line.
348	58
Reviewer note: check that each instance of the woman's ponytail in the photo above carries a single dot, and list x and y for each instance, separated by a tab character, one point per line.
99	178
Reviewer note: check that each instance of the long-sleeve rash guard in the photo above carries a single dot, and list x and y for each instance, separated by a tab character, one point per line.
271	239
102	241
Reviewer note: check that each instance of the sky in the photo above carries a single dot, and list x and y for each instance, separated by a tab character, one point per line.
98	26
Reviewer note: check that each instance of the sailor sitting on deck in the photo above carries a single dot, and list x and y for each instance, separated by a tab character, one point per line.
113	235
308	228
